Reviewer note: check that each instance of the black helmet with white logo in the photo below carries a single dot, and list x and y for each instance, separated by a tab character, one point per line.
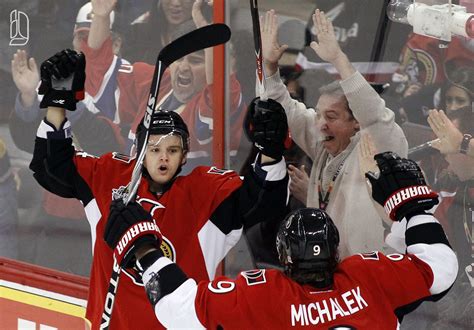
164	122
307	245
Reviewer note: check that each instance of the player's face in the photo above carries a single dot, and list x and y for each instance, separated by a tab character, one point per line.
164	156
336	124
177	11
456	98
188	76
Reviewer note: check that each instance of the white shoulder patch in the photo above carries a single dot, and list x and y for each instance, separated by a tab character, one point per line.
254	277
215	170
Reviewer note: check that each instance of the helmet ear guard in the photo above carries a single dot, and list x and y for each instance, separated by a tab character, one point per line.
307	245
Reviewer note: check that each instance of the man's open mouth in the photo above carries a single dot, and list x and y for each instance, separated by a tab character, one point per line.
184	81
328	138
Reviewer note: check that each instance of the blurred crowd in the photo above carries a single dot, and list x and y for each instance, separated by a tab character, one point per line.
412	79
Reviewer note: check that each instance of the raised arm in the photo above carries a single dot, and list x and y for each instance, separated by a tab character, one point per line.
327	47
62	84
201	21
100	26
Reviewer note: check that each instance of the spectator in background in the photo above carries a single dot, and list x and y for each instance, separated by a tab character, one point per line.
153	30
186	87
456	92
330	136
455	211
8	207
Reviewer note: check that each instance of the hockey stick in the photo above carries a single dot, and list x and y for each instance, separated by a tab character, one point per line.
207	36
257	39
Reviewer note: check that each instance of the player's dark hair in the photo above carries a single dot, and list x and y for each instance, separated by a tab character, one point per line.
307	245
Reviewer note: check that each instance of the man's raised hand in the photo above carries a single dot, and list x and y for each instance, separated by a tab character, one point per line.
25	76
327	47
272	51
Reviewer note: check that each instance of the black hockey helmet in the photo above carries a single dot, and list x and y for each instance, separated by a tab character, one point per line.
164	122
307	245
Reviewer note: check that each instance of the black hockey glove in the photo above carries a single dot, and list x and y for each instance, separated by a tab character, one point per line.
62	80
266	126
400	187
128	228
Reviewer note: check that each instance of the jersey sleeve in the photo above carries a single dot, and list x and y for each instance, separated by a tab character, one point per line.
234	203
180	302
58	167
426	272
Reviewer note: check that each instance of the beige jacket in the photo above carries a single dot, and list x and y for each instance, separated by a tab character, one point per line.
350	205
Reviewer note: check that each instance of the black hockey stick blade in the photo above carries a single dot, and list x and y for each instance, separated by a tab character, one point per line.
205	37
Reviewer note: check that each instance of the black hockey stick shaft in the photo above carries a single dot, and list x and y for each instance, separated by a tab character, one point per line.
257	38
207	36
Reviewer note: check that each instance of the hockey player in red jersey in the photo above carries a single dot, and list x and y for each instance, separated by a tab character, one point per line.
364	291
201	215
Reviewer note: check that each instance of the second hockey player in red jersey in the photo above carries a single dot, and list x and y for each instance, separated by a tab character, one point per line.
201	215
364	291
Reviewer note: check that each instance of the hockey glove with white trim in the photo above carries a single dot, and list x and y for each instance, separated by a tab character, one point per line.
62	80
266	126
128	228
400	187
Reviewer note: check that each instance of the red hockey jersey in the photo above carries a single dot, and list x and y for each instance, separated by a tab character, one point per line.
367	290
201	216
370	291
195	242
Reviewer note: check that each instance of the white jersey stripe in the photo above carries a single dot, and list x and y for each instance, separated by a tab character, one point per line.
440	257
211	240
176	310
93	216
